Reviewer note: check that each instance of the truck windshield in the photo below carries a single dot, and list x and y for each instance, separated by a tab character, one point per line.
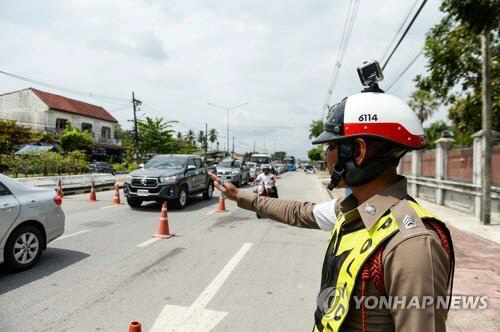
166	162
261	160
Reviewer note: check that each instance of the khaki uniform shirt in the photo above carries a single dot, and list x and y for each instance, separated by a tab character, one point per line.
415	263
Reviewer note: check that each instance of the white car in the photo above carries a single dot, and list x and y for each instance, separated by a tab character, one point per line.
29	219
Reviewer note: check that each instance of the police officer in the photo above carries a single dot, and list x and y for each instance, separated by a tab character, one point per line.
383	246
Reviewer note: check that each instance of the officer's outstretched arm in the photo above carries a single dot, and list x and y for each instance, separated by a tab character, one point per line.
298	214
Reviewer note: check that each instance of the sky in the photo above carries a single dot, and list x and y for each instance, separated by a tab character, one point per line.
178	56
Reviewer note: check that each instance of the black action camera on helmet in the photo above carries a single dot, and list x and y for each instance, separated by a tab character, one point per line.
370	74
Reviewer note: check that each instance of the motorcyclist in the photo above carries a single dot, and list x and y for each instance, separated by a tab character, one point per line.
268	180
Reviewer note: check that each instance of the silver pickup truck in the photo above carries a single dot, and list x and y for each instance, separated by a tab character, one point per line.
235	171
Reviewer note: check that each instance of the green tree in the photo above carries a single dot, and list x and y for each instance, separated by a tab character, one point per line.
453	49
435	131
74	139
202	139
155	136
12	136
279	155
316	153
212	136
315	128
423	104
190	137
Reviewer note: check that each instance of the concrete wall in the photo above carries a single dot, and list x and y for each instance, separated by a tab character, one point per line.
456	180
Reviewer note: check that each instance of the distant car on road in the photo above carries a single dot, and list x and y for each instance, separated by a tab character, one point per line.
101	167
29	219
309	169
169	177
235	171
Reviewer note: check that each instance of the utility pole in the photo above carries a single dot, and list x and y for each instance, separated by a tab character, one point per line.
232	155
206	139
486	124
136	103
253	146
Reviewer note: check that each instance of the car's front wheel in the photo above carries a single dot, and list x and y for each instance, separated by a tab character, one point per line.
23	248
181	201
134	202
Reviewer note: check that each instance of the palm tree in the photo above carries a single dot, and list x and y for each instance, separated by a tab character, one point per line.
201	139
212	136
423	104
179	135
190	137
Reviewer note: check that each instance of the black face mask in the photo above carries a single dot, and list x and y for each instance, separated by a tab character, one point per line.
355	175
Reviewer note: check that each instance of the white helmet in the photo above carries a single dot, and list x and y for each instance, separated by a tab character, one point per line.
370	114
376	115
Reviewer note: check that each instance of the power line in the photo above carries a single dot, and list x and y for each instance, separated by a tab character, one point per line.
404	33
113	100
344	42
399	30
406	69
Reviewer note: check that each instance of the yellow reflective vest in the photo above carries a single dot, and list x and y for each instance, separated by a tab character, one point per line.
350	245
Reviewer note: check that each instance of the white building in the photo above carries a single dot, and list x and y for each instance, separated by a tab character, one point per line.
43	111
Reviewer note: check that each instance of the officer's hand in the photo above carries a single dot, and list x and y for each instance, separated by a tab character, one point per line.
229	190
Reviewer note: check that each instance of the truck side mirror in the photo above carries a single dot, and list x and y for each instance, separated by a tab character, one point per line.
191	168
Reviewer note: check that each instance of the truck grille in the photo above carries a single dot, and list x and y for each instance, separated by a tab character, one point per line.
144	182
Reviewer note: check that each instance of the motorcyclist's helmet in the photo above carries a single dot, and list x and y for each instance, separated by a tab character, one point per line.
265	166
373	115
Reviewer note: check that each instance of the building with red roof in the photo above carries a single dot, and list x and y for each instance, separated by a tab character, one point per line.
47	112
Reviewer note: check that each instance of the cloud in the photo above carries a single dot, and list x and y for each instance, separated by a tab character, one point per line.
178	55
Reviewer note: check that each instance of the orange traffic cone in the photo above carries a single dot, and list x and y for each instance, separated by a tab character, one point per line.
134	326
116	199
221	207
92	196
163	230
59	189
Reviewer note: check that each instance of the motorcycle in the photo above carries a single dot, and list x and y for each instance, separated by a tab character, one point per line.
265	190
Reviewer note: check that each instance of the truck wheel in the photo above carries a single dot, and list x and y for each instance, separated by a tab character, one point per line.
134	202
209	192
23	248
181	201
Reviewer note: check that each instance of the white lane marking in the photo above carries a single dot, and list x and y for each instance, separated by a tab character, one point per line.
148	242
177	318
110	206
71	235
211	212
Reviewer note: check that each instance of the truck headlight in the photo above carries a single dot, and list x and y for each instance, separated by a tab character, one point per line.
168	179
128	178
235	172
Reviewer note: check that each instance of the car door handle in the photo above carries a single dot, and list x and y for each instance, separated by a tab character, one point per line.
6	207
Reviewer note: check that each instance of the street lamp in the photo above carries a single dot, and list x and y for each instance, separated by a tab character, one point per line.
227	118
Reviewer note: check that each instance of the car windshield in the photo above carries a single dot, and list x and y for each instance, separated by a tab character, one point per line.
230	163
166	162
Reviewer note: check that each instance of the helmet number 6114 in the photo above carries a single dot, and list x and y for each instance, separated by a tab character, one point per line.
368	117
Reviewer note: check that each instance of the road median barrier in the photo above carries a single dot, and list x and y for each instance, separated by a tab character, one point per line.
75	184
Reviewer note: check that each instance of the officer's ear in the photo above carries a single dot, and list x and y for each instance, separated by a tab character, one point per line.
360	151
